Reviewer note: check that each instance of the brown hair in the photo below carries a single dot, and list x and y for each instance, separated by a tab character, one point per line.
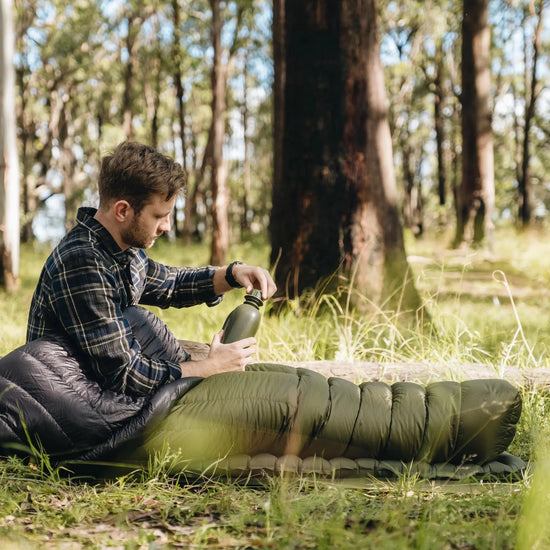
134	172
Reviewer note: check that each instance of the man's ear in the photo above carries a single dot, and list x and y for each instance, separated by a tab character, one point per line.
122	210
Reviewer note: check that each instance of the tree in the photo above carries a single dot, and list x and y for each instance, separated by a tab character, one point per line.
334	194
532	92
219	77
477	192
9	163
220	229
407	92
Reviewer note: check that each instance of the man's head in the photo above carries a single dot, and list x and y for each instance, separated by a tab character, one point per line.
137	192
136	173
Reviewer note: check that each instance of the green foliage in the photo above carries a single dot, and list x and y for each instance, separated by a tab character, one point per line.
82	67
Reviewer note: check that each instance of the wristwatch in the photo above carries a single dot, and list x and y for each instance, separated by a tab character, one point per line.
231	281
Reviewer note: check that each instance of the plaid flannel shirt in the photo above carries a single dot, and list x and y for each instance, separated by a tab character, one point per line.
83	289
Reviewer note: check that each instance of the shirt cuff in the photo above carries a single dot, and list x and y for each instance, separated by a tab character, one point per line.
174	372
214	299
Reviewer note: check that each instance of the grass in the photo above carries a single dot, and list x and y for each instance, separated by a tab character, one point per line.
485	308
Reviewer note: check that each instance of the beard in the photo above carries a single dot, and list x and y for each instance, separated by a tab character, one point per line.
137	237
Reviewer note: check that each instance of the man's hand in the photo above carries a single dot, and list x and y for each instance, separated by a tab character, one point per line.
249	277
255	277
222	358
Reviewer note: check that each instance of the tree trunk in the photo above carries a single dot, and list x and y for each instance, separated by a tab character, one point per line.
9	167
525	206
474	225
277	227
309	190
245	225
152	84
374	251
26	138
189	208
439	99
134	25
62	132
220	225
335	201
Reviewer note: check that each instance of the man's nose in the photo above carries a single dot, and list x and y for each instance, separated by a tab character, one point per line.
165	224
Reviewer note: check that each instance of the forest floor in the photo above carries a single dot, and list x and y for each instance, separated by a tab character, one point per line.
491	313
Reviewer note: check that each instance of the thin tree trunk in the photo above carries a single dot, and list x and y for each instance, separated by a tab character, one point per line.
26	126
152	86
276	226
9	163
177	55
245	226
190	226
439	99
134	23
220	225
456	159
477	192
525	200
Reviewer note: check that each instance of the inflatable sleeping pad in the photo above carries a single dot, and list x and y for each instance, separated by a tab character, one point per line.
271	419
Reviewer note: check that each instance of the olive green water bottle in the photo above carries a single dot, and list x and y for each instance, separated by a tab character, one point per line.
244	320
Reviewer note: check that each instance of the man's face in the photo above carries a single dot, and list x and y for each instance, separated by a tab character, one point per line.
144	228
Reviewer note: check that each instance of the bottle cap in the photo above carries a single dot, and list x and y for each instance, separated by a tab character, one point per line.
254	297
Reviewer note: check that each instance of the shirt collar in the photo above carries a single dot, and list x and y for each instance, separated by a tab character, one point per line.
85	218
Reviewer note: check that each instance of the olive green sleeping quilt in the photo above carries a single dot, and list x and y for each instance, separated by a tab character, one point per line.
251	420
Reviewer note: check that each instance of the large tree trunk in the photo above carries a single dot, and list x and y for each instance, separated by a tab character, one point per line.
9	167
220	225
309	194
373	250
478	187
335	201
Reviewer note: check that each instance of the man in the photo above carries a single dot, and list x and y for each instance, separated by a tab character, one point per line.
100	269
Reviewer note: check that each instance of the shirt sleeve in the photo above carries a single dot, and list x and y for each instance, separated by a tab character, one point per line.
85	299
179	287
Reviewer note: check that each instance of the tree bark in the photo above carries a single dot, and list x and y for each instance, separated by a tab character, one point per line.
134	25
153	64
335	201
177	55
524	184
475	225
220	225
439	100
375	251
276	226
309	198
9	163
245	225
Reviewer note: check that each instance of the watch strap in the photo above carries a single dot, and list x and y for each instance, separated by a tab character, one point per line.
231	281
